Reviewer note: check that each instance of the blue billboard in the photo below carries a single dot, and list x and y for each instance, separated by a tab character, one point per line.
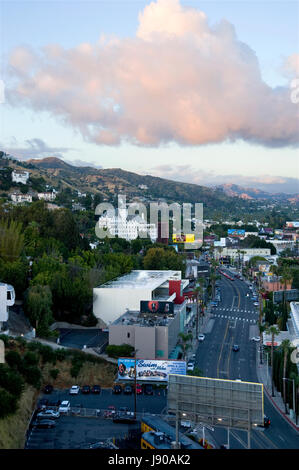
235	232
149	369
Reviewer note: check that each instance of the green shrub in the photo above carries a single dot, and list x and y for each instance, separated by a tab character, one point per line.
14	360
54	373
8	403
33	376
30	359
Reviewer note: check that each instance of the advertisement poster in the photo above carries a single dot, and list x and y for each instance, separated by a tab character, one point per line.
147	369
155	306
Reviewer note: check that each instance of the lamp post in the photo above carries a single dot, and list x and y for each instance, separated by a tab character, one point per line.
294	398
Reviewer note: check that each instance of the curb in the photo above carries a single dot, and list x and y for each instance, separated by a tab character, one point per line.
281	412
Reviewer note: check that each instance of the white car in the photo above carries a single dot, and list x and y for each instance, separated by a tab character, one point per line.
255	338
201	337
74	390
48	414
256	304
64	407
190	366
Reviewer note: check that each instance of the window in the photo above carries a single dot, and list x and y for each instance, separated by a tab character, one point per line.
128	335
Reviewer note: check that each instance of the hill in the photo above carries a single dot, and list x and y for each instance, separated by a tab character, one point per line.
56	173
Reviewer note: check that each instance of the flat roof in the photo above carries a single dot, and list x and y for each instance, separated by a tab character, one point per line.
140	279
162	427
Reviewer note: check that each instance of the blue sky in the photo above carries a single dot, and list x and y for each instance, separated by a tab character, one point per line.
269	28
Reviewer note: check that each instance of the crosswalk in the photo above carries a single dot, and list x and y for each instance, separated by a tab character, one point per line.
225	309
231	317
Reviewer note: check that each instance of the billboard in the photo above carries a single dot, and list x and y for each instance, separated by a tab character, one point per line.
235	232
181	238
156	306
292	224
220	402
149	369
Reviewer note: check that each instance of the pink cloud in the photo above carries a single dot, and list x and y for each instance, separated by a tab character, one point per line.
179	80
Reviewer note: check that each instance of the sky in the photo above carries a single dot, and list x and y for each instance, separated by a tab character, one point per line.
194	91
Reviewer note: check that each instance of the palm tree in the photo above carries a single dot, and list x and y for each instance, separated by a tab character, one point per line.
273	331
262	328
285	345
184	342
285	278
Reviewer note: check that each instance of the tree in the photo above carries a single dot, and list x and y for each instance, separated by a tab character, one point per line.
273	331
184	342
11	240
285	345
38	308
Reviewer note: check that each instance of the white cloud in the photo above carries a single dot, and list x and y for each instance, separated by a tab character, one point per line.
179	80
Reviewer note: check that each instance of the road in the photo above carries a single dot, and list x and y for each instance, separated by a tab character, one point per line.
233	321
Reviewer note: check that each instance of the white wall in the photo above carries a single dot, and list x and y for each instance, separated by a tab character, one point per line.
3	304
110	303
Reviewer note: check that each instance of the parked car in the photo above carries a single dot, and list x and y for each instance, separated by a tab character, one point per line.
138	389
201	337
256	338
117	389
85	389
148	389
48	389
256	304
110	412
48	414
123	409
190	366
128	390
64	407
236	347
42	404
74	390
96	389
55	403
44	423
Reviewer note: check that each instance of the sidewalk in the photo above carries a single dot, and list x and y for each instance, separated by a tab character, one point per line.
277	400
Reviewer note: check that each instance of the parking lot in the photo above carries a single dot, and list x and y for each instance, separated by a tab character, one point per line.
77	338
76	431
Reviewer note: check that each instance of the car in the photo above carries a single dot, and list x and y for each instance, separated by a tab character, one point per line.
236	347
74	390
266	421
110	412
201	337
128	390
186	424
44	423
48	414
256	338
42	404
85	389
256	304
96	389
123	409
48	389
138	389
190	366
64	407
117	389
76	409
148	389
55	403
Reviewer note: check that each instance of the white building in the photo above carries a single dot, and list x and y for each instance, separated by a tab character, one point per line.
127	226
7	299
47	196
21	198
114	298
244	253
20	176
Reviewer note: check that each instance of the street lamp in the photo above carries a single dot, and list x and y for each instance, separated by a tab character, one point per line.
294	398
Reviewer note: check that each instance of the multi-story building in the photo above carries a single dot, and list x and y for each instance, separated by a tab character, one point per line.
21	198
127	226
20	176
50	196
7	299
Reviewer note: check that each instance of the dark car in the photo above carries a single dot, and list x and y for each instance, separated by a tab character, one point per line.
96	389
48	388
128	390
85	389
45	423
117	389
148	390
54	403
236	347
42	404
266	421
138	389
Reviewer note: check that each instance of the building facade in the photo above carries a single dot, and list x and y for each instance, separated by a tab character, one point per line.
20	176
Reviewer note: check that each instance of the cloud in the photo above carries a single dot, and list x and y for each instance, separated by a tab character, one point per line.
178	80
33	148
189	174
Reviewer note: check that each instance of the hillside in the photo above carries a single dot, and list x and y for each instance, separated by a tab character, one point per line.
235	190
54	172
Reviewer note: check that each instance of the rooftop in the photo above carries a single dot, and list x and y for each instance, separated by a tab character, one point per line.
135	318
141	279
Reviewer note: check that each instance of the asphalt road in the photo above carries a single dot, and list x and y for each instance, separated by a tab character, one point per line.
234	322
